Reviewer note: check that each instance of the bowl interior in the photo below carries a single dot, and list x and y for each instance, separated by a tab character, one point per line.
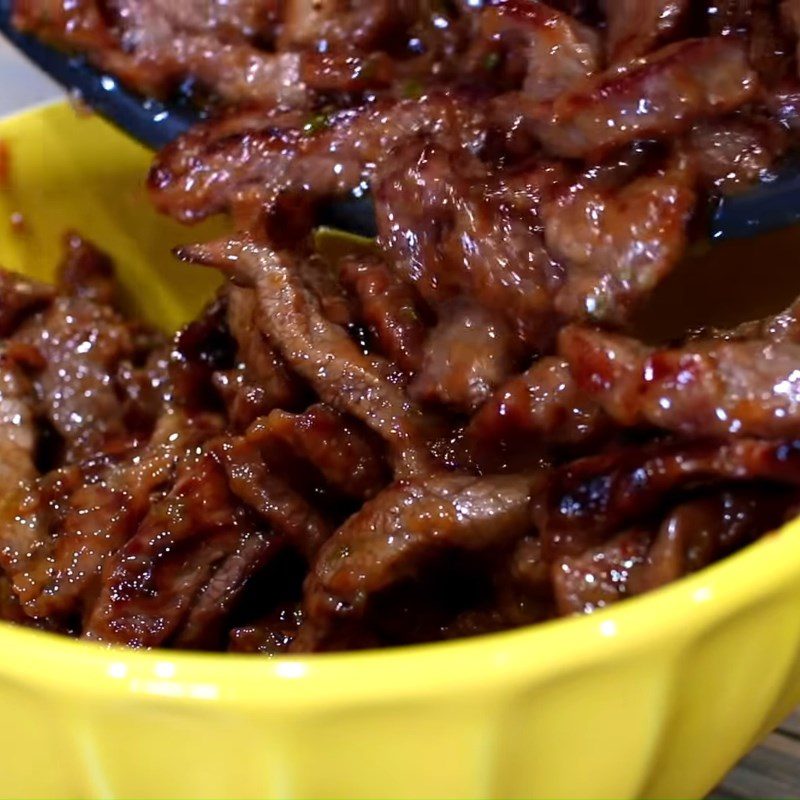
70	171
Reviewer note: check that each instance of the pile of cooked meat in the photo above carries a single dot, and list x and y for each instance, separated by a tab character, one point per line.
448	431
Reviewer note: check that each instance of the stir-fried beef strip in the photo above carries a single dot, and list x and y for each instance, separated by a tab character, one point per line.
447	431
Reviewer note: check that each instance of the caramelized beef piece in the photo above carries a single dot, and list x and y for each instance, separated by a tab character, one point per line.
448	239
401	529
81	345
348	455
542	406
602	575
556	50
466	357
716	388
18	434
703	530
343	24
590	499
260	156
618	245
83	515
389	307
731	155
188	540
656	97
87	271
320	351
635	27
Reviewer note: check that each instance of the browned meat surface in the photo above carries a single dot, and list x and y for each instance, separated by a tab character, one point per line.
731	155
181	551
618	245
320	351
87	272
555	49
657	97
81	345
448	431
389	307
718	388
447	239
220	163
19	299
542	406
635	27
347	455
404	527
588	500
466	357
18	436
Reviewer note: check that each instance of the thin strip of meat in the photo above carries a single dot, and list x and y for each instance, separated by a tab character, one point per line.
271	497
100	515
400	530
590	499
731	155
693	535
715	388
18	437
466	357
543	405
86	271
348	456
655	97
153	580
635	27
448	239
321	352
343	24
557	49
81	345
704	529
618	245
206	170
389	307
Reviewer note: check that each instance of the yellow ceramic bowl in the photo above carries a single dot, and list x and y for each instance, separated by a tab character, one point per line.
655	698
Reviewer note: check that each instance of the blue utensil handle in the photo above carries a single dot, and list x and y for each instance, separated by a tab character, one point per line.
152	122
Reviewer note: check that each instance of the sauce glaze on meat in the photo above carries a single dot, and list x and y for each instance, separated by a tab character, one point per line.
454	430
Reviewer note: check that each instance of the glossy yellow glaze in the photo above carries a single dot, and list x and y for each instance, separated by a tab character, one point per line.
655	698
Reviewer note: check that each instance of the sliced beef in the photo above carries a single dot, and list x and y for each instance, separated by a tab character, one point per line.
657	97
716	388
207	169
18	433
542	406
731	155
635	27
400	530
347	454
618	245
466	357
180	550
449	239
590	499
555	49
389	307
81	345
320	351
86	271
269	496
20	297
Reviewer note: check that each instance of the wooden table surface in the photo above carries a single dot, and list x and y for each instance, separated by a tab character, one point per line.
772	772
